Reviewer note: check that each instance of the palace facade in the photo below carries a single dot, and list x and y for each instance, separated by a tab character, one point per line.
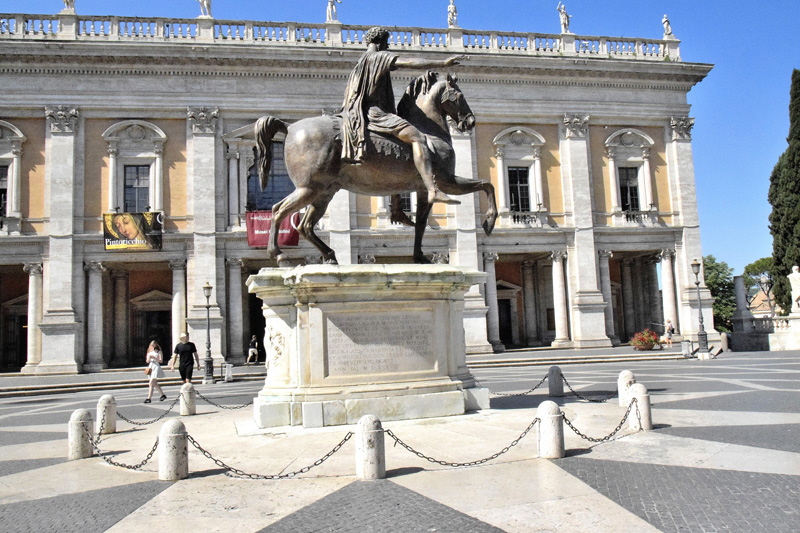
113	123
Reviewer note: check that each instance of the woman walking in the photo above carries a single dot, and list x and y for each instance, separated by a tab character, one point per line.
154	359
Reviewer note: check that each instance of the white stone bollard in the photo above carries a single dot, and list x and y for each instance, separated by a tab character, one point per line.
228	372
551	430
370	450
555	381
641	419
106	415
173	451
80	446
624	382
188	400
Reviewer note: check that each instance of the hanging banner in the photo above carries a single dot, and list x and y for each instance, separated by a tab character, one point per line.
132	231
259	224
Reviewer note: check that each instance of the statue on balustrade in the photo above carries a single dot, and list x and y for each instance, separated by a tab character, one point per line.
563	17
372	147
667	26
205	8
69	5
794	279
331	15
452	15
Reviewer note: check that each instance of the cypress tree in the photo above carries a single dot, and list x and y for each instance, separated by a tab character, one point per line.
784	196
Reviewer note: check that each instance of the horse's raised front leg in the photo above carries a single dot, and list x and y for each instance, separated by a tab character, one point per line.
423	210
313	215
397	215
461	185
298	199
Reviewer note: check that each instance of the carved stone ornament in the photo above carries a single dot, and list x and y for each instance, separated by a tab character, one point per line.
136	133
681	127
558	255
62	119
277	343
203	120
576	125
366	259
32	268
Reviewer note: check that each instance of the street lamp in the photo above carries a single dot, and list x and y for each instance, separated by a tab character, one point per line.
702	337
208	362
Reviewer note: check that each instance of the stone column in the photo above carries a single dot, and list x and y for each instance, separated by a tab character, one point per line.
15	190
94	318
62	332
236	353
647	182
560	299
588	323
629	310
605	288
157	187
529	302
203	265
493	315
502	183
537	202
668	288
466	253
121	329
656	300
341	234
234	183
113	182
34	271
178	267
613	180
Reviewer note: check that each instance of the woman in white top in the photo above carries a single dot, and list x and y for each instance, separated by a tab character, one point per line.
154	360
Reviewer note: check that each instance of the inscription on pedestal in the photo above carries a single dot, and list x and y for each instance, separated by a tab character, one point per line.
380	343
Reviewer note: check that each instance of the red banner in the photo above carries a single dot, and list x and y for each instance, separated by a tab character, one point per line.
258	228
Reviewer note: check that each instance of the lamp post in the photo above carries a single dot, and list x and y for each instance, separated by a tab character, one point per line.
702	337
208	362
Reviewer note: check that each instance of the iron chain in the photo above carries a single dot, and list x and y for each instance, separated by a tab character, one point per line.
616	430
520	393
165	413
234	472
421	455
103	456
222	406
583	397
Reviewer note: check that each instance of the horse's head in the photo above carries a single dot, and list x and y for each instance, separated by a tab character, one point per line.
455	105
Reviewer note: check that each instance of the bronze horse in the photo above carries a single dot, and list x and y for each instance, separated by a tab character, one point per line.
312	150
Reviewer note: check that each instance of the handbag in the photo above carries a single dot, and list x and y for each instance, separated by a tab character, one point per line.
147	371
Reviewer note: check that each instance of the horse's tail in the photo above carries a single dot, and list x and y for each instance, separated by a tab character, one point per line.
266	128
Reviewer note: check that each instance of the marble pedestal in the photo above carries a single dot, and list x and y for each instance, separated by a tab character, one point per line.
345	341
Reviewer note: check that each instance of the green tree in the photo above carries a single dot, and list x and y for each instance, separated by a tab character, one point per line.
719	280
784	196
758	278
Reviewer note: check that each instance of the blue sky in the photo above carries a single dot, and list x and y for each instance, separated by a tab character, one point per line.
741	109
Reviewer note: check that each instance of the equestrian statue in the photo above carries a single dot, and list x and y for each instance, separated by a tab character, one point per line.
374	149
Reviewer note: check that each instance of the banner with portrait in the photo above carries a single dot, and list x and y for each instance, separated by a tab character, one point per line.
259	224
132	231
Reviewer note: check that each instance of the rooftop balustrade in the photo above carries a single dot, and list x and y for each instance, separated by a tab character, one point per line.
66	27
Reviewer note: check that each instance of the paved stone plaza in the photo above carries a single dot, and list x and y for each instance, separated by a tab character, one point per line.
723	456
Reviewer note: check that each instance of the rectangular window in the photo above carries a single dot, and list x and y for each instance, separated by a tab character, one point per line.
137	188
629	188
518	189
405	202
3	192
279	186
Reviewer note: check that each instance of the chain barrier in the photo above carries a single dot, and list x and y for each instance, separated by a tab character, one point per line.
421	455
222	406
110	461
515	393
584	397
165	413
616	430
236	473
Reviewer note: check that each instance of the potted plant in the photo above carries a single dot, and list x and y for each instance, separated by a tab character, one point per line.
645	340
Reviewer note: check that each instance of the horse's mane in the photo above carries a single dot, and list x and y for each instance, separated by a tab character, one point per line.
420	85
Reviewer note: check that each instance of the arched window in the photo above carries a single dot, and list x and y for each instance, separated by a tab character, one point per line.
11	141
628	152
520	179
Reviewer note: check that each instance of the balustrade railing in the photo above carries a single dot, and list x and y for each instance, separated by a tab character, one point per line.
455	40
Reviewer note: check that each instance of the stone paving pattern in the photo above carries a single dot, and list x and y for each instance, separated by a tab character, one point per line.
724	456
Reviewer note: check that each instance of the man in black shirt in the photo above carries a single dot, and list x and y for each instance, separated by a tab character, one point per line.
185	350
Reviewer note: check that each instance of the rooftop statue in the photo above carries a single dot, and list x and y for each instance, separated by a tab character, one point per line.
667	26
69	5
374	149
331	15
563	17
205	8
452	15
794	280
